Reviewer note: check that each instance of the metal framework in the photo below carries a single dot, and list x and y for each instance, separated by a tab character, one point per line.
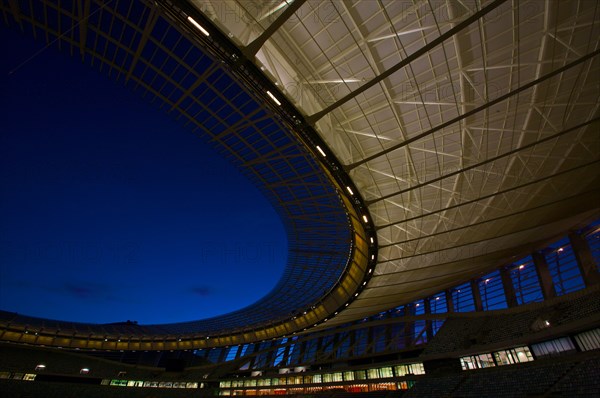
206	82
469	127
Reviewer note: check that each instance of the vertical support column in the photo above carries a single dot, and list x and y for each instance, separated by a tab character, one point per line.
476	295
252	361
585	260
222	354
334	345
285	357
319	350
541	267
370	340
449	302
270	355
302	351
352	348
509	288
388	337
409	327
428	322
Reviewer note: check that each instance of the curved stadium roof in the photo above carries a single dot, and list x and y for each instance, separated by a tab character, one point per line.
468	132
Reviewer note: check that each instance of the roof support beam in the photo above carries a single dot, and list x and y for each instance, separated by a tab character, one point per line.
150	22
83	8
251	49
478	109
14	7
312	119
492	159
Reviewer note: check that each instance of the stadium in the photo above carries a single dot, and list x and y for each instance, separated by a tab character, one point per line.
435	165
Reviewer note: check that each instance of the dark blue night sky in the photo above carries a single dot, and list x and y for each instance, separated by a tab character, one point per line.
111	210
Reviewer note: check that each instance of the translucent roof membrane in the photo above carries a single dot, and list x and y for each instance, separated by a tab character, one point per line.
471	127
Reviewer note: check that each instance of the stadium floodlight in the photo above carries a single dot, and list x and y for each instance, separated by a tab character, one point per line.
274	98
198	26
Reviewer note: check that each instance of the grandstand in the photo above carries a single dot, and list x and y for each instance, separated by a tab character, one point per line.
437	168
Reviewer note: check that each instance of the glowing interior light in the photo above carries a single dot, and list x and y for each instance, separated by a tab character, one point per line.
370	270
560	250
355	294
198	26
321	151
364	283
350	190
521	266
372	257
275	100
547	323
372	241
437	298
365	218
487	280
347	304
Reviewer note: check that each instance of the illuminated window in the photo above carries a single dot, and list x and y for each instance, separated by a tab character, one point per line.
553	347
386	372
360	375
513	355
589	340
477	361
373	373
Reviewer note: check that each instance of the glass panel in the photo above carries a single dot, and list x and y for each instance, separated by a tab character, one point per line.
462	297
525	281
563	267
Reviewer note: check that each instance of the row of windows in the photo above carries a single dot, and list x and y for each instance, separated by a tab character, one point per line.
349	388
589	340
498	358
113	382
17	376
151	384
352	375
